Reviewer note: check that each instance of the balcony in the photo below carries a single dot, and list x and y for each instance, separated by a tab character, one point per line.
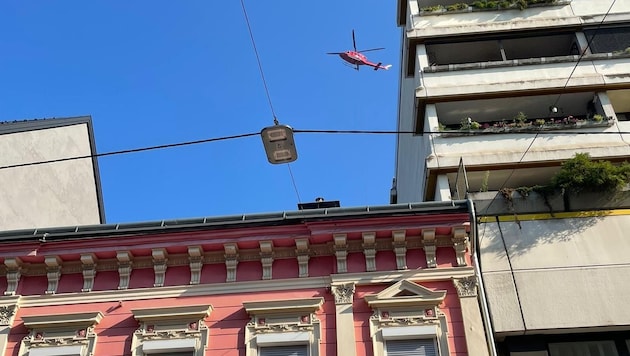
551	127
429	18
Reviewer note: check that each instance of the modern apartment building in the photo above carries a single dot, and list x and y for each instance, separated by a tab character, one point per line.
554	62
499	94
38	194
378	280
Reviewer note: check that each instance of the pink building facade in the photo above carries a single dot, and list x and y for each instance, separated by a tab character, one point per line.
391	280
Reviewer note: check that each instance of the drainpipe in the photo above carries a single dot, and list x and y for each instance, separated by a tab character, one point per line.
482	291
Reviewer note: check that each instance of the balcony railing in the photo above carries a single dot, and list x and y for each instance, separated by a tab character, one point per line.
469	127
488	5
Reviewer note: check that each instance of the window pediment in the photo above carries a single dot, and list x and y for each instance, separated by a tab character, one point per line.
405	294
190	312
290	306
55	321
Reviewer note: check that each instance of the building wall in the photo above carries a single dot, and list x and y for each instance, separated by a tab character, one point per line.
52	194
346	326
566	272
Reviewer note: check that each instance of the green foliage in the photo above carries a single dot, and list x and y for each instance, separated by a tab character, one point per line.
458	6
432	8
520	118
468	124
580	173
598	118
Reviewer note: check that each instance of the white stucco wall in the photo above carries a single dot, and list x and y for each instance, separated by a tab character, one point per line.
557	273
53	194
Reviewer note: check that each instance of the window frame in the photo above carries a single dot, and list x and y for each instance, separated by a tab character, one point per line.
404	311
171	329
283	323
49	334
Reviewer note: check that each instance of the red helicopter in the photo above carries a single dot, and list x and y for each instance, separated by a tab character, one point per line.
356	58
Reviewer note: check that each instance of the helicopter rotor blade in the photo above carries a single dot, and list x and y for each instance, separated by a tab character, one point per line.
371	49
335	52
354	44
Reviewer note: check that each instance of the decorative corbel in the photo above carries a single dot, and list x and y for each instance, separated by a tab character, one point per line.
14	272
341	252
125	262
266	258
460	244
88	262
53	273
195	257
159	265
428	241
369	250
231	261
302	252
343	293
400	248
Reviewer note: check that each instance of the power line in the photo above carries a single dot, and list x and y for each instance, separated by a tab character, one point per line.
588	46
133	150
225	138
260	69
262	75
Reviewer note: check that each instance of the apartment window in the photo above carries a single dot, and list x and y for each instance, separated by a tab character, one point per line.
408	321
609	40
283	327
583	348
174	331
296	350
411	347
60	334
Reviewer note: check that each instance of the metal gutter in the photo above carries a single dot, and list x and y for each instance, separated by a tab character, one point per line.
485	312
245	220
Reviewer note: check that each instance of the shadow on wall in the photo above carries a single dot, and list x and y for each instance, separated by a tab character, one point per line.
520	236
532	220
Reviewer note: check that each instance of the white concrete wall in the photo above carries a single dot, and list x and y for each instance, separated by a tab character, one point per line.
527	77
509	148
491	21
558	273
53	194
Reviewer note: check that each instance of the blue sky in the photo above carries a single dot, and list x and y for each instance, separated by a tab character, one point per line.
158	72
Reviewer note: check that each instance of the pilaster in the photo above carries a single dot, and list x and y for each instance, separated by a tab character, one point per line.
159	265
125	265
7	314
53	273
231	261
369	250
471	315
195	257
88	267
344	295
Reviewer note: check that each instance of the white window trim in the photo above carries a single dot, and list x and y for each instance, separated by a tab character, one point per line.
172	329
60	334
283	322
407	310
